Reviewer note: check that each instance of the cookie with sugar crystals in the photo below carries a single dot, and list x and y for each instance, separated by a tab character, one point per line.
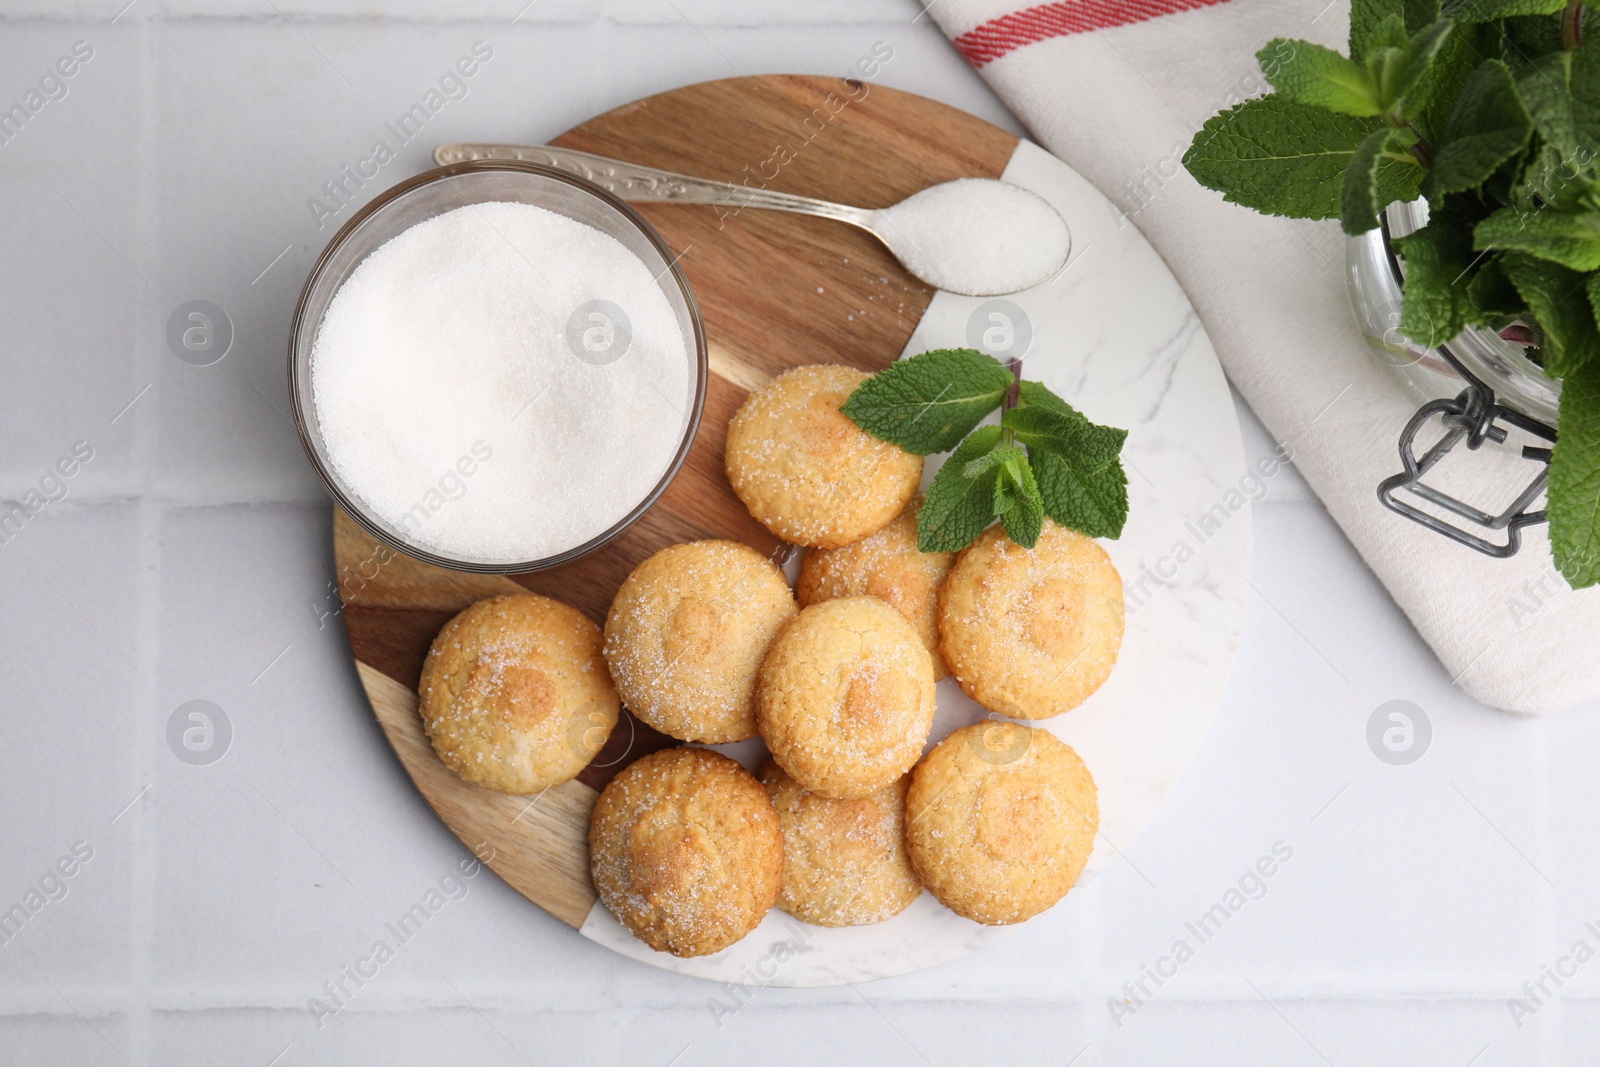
808	473
1031	633
515	695
686	635
844	861
889	566
1000	820
686	850
846	697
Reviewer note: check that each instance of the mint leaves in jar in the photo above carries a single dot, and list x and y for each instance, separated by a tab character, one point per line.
1044	459
1491	110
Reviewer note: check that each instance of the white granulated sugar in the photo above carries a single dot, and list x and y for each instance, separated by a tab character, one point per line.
451	403
977	236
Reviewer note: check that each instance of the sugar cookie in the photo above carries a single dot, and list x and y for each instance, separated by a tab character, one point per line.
515	694
1031	633
844	861
807	472
1000	820
686	635
686	850
846	697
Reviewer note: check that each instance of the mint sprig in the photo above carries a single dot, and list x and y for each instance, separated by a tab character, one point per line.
1490	109
1044	459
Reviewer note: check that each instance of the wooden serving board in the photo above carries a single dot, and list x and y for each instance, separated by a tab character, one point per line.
775	291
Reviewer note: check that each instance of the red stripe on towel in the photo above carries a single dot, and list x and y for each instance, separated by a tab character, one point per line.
996	37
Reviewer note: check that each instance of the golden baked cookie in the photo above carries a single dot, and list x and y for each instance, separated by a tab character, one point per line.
807	472
844	861
515	694
846	697
1030	633
686	635
1000	820
886	565
686	851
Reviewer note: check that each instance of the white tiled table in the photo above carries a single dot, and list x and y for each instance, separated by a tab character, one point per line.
191	559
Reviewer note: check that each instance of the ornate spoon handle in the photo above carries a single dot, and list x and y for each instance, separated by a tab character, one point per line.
633	182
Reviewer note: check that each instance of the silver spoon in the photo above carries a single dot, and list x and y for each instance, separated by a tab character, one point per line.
952	250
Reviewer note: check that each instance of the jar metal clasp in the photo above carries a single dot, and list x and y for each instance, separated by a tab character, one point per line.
1473	416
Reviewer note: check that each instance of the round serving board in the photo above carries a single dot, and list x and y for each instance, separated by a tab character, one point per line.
1113	333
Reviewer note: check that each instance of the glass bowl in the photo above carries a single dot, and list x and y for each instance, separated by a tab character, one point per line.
434	193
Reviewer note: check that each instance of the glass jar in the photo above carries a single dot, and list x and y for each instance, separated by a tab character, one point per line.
1479	386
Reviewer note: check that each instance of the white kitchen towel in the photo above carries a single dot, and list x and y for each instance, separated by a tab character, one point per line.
1117	88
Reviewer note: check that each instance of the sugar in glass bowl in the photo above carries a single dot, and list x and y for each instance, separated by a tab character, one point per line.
496	366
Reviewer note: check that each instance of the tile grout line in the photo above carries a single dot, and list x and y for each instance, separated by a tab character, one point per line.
1552	1043
147	556
1087	993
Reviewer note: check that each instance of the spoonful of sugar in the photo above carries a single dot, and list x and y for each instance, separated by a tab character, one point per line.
973	236
976	236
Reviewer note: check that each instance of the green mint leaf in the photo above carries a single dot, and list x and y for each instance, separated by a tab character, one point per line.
1361	201
1389	34
1086	446
1400	69
1574	488
1035	394
1420	13
1558	299
1541	181
1562	94
974	468
1576	168
1439	262
1571	239
1583	82
1366	16
1527	37
1488	126
1093	504
1282	157
1018	503
956	508
1075	462
1416	83
1319	76
1079	434
1593	287
1467	46
1545	89
1488	10
1492	293
928	403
